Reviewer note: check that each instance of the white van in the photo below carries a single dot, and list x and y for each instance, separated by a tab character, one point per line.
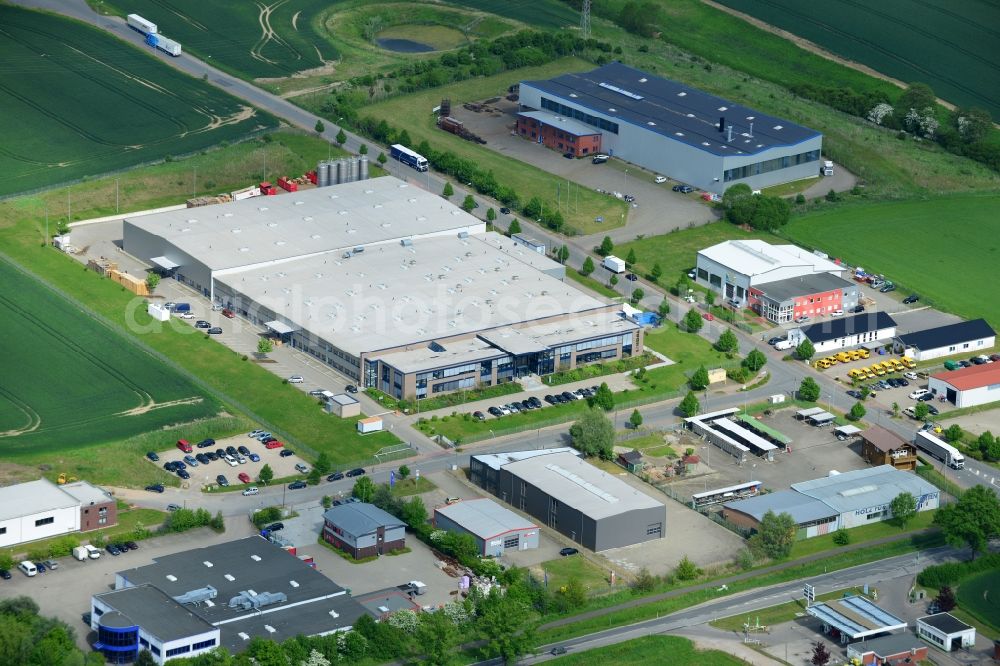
93	552
252	490
781	345
28	568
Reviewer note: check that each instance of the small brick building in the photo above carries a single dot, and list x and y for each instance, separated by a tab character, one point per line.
558	133
881	447
363	530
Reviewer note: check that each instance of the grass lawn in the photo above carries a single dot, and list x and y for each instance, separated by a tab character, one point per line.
774	615
447	400
920	522
594	285
794	187
559	572
688	351
412	112
413	486
979	596
942	233
650	444
652	651
596	370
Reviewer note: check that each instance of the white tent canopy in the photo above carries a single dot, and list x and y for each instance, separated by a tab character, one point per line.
165	263
279	327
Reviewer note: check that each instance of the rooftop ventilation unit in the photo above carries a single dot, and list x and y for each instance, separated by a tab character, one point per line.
248	600
172	578
620	91
197	596
244	635
463	234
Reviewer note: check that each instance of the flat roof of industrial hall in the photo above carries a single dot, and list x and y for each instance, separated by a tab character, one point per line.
31	497
840	327
393	295
801	509
757	257
950	334
297	224
674	110
576	483
485	518
864	488
804	285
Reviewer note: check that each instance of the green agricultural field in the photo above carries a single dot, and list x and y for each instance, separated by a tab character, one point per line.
412	112
952	46
944	249
979	596
541	13
253	39
68	382
75	102
651	651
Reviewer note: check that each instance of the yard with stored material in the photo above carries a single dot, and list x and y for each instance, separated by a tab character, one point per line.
76	102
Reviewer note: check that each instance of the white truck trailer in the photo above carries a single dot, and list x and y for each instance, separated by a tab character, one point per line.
140	24
614	264
165	44
941	450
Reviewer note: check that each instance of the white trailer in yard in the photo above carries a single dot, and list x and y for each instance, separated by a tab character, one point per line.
941	450
614	264
140	24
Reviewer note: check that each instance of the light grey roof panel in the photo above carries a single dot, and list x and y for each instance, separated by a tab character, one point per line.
358	518
801	509
863	488
498	460
25	499
485	518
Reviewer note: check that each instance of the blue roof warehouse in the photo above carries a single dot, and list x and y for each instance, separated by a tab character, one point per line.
678	131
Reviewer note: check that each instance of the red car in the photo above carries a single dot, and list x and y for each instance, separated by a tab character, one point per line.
244	477
228	314
273	444
708	315
183	445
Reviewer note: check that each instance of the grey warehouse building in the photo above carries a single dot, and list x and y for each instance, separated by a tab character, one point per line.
495	528
679	131
571	496
393	286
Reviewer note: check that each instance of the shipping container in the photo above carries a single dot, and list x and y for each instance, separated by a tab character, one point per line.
286	184
168	46
140	24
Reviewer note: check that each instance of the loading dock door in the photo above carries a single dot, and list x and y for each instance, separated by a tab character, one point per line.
953	396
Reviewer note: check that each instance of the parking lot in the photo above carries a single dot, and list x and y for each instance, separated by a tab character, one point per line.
656	210
205	475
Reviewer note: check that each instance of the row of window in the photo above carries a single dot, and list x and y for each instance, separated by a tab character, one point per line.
593	344
45	521
454	385
448	372
582	116
767	166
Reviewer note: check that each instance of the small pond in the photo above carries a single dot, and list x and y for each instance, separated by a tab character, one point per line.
403	45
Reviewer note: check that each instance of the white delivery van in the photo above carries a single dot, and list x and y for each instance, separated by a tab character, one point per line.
781	345
28	568
93	552
80	553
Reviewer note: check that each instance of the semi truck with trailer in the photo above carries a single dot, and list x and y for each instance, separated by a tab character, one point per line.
614	264
165	44
941	450
407	156
140	24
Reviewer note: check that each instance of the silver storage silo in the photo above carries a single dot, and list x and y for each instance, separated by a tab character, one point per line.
341	169
354	170
323	174
363	168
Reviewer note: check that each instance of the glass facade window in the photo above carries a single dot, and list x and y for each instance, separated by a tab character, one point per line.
767	166
455	385
204	644
582	116
173	652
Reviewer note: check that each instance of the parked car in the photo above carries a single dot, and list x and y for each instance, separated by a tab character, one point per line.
112	549
683	189
301	468
858	308
801	319
495	411
926	398
568	551
631	277
775	340
222	480
227	313
5	574
152	456
357	471
132	545
274	527
252	490
478	416
51	565
244	450
201	323
205	443
887	287
837	313
190	460
183	473
336	476
255	433
296	379
912	298
155	488
254	457
202	459
231	450
855	394
273	444
243	477
173	507
185	315
296	485
931	409
504	210
317	392
351	388
215	330
708	316
286	452
660	180
912	376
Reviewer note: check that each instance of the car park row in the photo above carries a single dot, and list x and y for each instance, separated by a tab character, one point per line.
533	403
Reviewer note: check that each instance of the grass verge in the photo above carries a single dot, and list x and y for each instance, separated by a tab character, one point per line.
651	651
592	284
774	615
819	544
447	400
413	486
559	571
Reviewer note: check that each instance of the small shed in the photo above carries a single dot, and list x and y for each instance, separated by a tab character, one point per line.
342	405
946	631
632	461
370	424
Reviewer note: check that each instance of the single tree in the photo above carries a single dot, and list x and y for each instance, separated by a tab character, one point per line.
435	638
593	434
917	96
152	280
699	380
971	521
382	159
448	190
469	203
145	658
857	412
689	405
637	295
403	472
755	360
635	419
683	286
363	150
506	624
320	127
491	214
613	281
820	655
323	463
775	536
727	342
710	297
364	489
341	137
588	266
607	247
734	195
805	350
656	273
603	398
842	537
314	477
630	257
946	599
573	593
809	390
903	507
664	308
921	410
264	345
953	433
563	254
693	321
515	226
686	569
413	512
895	408
266	474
